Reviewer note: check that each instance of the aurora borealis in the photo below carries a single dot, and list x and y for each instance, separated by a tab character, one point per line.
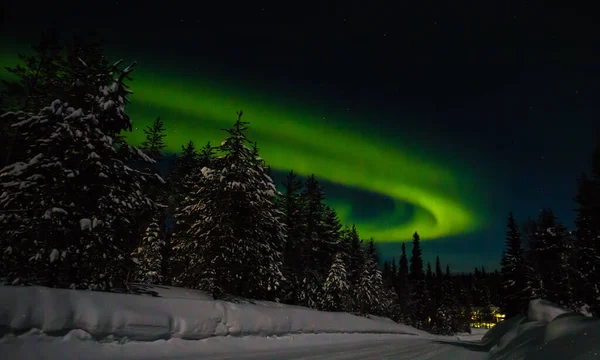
294	139
412	123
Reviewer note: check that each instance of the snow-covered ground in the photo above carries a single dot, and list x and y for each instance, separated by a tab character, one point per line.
174	323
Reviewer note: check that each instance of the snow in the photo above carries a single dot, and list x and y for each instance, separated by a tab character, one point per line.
85	224
53	255
169	322
548	332
170	313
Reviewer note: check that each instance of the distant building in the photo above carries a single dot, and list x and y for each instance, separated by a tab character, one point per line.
486	317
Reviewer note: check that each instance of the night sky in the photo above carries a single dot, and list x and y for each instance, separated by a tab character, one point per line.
439	119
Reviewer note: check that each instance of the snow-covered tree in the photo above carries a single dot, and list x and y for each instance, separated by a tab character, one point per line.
291	207
149	256
368	291
233	243
314	247
513	270
586	258
69	210
336	287
418	294
37	83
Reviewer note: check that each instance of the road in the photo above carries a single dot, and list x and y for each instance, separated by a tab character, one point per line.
404	347
295	347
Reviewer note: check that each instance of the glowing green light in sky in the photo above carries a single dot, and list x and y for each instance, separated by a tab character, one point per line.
293	137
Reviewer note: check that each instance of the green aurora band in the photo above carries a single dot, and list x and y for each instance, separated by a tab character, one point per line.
292	137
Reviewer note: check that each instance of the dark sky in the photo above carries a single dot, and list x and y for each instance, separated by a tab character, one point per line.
509	91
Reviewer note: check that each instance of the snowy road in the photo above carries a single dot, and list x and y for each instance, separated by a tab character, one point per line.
297	347
403	347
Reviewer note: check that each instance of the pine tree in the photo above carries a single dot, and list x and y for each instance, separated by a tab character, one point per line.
514	299
86	71
149	256
291	207
38	77
153	146
37	85
372	251
417	279
586	259
314	248
402	286
68	211
355	254
551	244
369	296
439	280
336	287
234	245
154	143
394	274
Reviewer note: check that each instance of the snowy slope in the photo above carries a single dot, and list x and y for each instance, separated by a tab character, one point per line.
38	322
170	313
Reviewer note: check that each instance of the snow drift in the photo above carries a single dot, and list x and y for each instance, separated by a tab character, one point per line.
547	332
169	313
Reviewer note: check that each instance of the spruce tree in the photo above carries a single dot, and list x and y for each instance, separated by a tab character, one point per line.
514	299
314	248
336	287
394	274
551	252
403	286
154	143
417	279
234	244
586	259
439	280
149	256
369	297
291	207
69	210
355	254
38	84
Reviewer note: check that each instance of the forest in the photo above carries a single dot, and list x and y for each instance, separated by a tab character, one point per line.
82	209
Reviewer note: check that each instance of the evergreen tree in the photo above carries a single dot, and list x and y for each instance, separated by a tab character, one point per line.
355	254
86	71
315	255
38	76
234	245
514	298
149	256
69	210
386	274
551	253
586	259
153	146
37	85
291	207
417	280
439	281
336	287
403	286
372	251
154	143
394	274
369	296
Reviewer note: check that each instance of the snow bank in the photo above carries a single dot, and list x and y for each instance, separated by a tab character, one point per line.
168	313
548	332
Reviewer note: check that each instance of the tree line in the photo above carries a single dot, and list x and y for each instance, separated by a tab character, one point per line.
83	209
543	259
